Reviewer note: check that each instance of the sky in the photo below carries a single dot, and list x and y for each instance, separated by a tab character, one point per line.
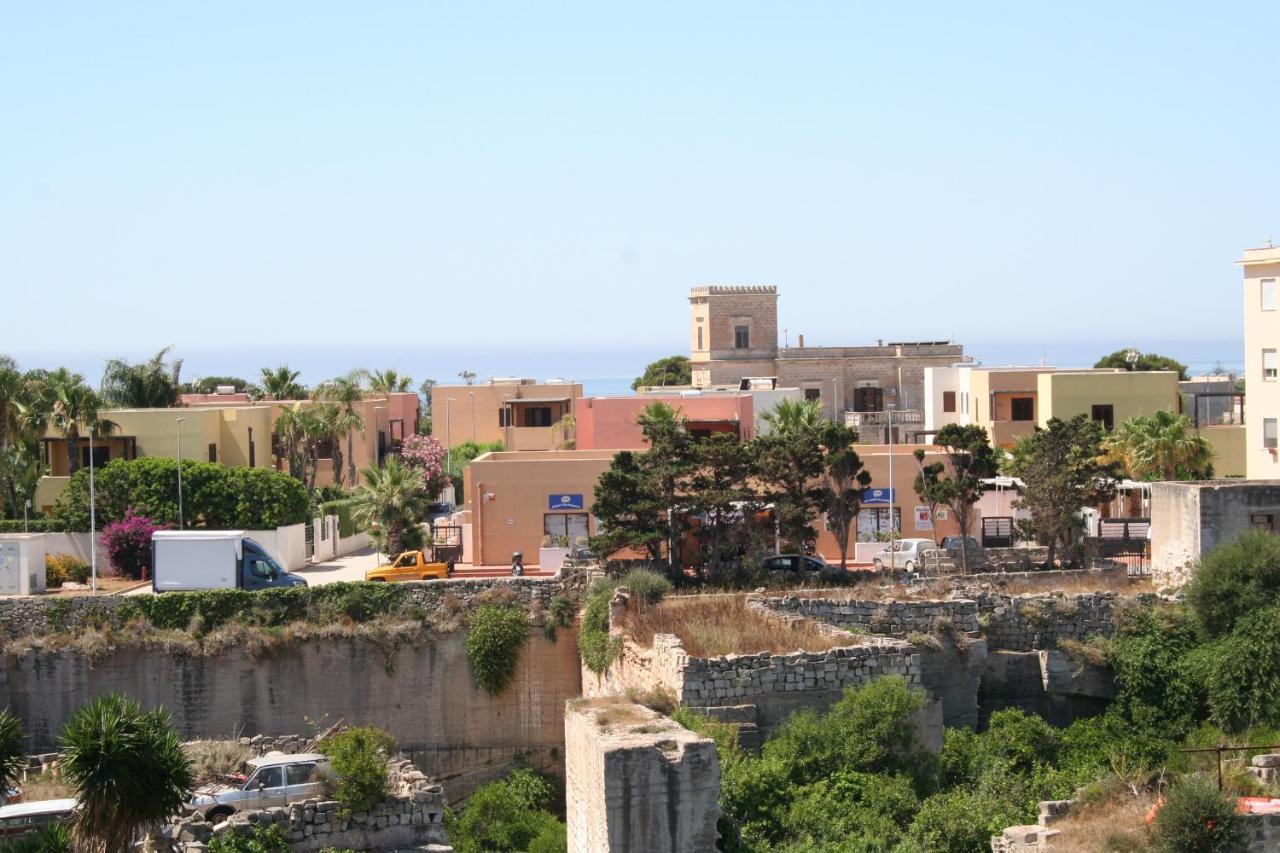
532	189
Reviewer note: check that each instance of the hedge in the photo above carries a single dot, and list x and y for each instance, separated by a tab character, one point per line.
35	525
342	509
214	496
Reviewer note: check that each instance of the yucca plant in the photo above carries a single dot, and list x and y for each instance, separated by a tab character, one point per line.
129	770
12	756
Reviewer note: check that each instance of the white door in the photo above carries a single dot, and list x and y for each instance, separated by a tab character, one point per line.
9	577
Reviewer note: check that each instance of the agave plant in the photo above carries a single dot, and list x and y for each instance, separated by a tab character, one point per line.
129	770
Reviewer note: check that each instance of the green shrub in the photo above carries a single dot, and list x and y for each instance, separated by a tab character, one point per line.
64	568
646	585
1234	579
495	634
1197	816
957	821
511	814
33	525
268	838
1241	672
342	509
50	838
596	646
359	760
13	758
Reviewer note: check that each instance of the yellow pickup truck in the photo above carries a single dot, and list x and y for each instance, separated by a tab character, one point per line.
409	566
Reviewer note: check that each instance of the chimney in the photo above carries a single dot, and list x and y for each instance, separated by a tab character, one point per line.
879	342
800	339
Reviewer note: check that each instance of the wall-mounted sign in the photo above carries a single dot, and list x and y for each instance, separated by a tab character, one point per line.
565	502
924	521
877	497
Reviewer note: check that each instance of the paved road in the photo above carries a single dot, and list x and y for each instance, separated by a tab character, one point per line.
349	568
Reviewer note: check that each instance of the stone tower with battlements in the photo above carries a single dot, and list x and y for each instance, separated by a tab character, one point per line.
733	324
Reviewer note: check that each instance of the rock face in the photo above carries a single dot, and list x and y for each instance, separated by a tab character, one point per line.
638	782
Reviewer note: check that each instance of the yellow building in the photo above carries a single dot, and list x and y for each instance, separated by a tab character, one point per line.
232	435
1261	362
521	413
1107	396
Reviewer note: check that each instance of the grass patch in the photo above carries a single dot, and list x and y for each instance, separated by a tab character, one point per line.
714	625
212	760
1114	823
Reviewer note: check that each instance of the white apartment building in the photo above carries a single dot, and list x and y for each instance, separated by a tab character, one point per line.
1262	362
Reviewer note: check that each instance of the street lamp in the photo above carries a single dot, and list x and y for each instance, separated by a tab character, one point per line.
377	443
181	520
93	521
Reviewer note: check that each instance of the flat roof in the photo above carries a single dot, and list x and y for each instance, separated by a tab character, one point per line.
511	400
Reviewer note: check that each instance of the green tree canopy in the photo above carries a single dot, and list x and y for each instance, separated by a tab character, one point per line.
1163	446
151	384
1144	361
672	370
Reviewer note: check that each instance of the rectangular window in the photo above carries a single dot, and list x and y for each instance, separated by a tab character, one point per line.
1263	521
965	405
252	457
537	416
571	527
101	456
504	418
1023	408
699	337
1268	294
1269	433
874	524
213	453
948	401
813	393
1104	414
741	337
1269	364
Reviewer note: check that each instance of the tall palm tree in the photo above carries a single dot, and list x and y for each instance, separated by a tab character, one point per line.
129	770
346	392
150	385
1163	446
281	383
392	501
72	406
316	428
388	381
791	417
289	429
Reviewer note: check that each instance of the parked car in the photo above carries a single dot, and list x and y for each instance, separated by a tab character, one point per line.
974	555
798	563
902	554
438	509
409	566
274	779
20	818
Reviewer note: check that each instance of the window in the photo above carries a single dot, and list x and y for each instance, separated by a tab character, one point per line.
1268	294
813	393
299	774
213	453
537	416
571	527
1269	364
699	337
873	523
252	457
948	401
324	448
262	569
1269	433
1104	414
741	337
101	456
1023	408
504	418
268	777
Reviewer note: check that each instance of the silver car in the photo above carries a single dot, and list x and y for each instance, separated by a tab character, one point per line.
902	554
274	779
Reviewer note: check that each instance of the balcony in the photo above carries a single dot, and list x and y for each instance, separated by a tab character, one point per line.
529	438
904	417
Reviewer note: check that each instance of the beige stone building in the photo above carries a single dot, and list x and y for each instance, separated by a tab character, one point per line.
734	338
1262	362
521	413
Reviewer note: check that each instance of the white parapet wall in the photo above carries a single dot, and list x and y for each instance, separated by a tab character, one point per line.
637	781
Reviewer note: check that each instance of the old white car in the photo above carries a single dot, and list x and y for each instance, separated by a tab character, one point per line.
274	779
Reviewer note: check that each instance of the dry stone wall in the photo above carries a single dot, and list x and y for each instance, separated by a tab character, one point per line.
891	618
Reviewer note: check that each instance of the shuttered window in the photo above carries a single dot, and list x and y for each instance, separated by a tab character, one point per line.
1269	432
1268	294
1269	364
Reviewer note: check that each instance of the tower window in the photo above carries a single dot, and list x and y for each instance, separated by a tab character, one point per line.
742	337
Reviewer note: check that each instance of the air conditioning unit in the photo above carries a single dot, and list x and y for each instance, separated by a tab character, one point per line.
225	389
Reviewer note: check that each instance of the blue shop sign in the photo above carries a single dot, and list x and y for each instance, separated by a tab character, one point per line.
565	502
877	497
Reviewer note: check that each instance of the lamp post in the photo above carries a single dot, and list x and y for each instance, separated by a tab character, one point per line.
893	560
93	522
181	520
377	438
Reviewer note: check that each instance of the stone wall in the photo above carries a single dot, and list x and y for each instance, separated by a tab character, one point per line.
890	618
411	816
638	782
1188	520
43	614
421	693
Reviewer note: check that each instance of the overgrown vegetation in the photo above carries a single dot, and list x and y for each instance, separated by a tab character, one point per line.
63	568
261	838
715	625
515	813
495	635
596	646
1197	816
358	757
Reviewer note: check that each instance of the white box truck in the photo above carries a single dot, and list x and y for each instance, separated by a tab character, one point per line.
214	559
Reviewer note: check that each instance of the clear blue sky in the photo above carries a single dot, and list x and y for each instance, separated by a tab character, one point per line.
437	186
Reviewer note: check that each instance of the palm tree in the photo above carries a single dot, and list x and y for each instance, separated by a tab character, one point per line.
281	383
71	406
1163	446
392	500
791	417
289	429
346	392
387	381
316	430
129	770
150	385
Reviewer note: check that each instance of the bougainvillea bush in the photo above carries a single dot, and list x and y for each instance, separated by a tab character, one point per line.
128	544
427	456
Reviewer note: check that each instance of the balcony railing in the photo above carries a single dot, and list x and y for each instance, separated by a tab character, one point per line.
902	417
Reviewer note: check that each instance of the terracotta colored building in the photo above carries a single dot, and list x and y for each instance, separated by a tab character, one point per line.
521	413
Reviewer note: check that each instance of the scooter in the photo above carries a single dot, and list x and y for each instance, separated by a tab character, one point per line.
517	564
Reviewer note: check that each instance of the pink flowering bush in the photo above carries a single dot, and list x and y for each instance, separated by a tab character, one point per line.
426	456
128	544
